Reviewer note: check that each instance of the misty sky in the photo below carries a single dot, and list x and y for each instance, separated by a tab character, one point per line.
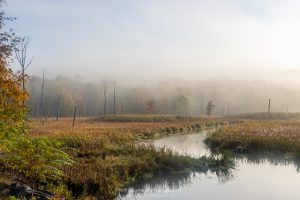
161	38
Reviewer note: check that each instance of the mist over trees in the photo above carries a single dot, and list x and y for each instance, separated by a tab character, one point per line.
93	99
168	97
209	108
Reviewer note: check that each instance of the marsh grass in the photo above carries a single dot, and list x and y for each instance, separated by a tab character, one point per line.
266	116
147	118
273	136
102	170
108	156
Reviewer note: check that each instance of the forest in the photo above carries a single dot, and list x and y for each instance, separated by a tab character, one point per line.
187	98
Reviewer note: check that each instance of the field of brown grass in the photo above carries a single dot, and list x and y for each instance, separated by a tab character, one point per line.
271	135
106	155
88	127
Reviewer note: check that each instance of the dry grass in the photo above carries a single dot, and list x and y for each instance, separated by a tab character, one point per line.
283	136
101	129
106	155
85	126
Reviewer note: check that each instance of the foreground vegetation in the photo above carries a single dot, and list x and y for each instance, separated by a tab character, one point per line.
274	136
108	156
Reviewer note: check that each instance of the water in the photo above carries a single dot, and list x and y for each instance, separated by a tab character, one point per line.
257	176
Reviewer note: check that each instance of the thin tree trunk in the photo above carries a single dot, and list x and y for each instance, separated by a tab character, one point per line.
114	98
269	107
57	110
104	109
23	83
74	116
42	98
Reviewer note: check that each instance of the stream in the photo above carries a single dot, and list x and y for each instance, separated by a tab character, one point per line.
256	176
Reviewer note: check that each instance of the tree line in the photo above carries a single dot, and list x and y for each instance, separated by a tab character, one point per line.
59	96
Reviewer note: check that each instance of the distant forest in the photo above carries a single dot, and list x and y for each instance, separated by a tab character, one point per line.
101	99
170	97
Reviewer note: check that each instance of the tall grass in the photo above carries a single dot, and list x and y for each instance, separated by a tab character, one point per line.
108	155
102	169
275	136
266	116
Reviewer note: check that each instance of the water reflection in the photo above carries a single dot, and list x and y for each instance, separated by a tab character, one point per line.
171	182
191	144
174	182
257	176
273	159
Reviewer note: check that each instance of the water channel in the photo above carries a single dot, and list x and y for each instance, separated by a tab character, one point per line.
256	176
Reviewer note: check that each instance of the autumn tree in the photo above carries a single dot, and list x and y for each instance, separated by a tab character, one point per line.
31	159
181	105
150	106
209	108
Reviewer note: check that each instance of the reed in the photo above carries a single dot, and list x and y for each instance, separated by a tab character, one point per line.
274	136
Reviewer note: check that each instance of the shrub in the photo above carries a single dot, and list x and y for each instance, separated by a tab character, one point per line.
29	159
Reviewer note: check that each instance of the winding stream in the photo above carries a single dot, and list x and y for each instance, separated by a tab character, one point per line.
266	177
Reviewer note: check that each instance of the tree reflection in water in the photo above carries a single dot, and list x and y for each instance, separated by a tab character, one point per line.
192	144
175	181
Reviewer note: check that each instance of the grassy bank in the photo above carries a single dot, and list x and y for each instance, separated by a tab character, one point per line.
102	169
107	158
274	136
130	125
146	118
266	116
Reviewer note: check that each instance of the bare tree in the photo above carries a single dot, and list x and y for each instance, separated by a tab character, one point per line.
57	109
269	107
210	106
74	116
21	56
104	106
114	98
42	98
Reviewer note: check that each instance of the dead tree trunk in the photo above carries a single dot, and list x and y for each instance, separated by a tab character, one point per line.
114	98
269	107
57	109
42	98
104	106
74	116
21	56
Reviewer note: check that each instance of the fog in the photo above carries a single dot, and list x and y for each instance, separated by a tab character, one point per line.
159	39
238	53
177	96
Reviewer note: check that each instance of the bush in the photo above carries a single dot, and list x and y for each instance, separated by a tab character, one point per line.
29	159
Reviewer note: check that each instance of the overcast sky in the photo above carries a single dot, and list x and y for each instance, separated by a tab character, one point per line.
161	38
